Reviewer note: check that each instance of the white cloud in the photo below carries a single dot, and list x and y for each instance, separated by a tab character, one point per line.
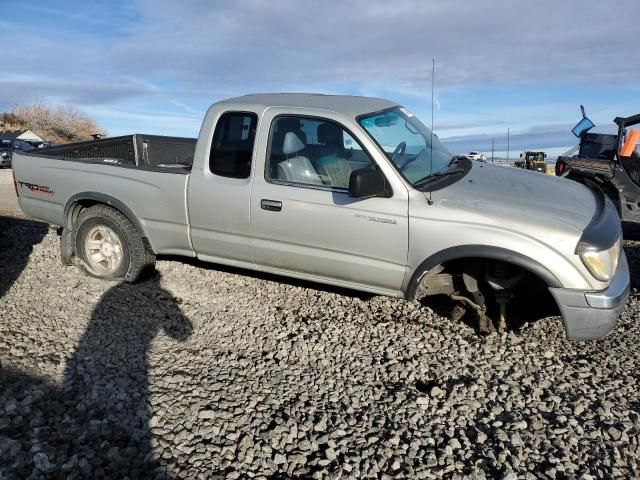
181	55
288	43
21	88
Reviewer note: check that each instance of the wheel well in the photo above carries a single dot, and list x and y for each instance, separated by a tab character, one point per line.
459	265
460	275
77	206
74	210
467	253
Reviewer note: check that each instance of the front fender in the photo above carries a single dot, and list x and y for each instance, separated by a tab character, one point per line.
551	256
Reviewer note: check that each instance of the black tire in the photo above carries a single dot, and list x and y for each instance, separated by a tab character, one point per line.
135	256
66	246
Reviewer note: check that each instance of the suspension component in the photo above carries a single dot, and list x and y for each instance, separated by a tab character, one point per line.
484	323
502	277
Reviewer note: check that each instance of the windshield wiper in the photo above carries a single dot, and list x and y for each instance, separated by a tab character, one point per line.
424	180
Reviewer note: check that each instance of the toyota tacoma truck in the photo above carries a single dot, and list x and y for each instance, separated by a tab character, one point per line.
349	191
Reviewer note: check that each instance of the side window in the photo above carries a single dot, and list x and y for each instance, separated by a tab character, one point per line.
232	145
312	151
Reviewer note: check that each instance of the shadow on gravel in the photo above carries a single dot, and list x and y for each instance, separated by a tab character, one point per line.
17	238
294	282
96	424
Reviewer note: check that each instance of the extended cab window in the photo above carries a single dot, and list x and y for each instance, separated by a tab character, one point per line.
232	145
312	151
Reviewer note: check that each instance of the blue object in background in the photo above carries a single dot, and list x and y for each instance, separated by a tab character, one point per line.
582	126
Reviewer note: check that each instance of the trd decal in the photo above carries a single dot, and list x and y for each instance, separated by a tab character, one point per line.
37	188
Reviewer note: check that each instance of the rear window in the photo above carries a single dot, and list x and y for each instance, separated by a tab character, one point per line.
232	146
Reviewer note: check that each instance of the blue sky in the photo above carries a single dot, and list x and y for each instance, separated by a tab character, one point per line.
155	66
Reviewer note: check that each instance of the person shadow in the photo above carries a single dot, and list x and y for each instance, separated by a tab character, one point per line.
96	424
17	238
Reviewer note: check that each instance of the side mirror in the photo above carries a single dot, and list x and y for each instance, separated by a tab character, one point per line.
545	155
520	155
367	183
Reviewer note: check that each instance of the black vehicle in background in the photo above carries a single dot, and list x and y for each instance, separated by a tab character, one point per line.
7	148
608	162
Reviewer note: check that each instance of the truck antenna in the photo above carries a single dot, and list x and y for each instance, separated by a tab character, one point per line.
433	81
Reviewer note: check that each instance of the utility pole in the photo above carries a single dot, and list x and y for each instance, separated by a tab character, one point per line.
492	148
508	139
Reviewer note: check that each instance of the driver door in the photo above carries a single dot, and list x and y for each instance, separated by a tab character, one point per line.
306	223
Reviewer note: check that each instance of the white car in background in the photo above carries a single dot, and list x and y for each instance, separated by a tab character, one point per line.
476	156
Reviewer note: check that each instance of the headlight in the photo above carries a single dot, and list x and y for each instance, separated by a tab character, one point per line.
4	154
601	263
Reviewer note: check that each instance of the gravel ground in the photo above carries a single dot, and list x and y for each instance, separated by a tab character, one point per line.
8	201
205	372
5	176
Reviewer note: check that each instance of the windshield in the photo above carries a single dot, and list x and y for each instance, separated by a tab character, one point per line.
5	143
407	143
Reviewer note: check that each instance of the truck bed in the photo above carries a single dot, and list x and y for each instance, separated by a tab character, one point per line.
118	171
140	150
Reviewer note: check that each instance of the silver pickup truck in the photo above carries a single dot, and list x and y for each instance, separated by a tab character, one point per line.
348	191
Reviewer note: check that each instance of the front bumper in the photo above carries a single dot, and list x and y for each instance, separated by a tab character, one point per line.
591	315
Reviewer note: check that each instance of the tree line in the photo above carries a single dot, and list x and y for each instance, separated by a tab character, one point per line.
59	124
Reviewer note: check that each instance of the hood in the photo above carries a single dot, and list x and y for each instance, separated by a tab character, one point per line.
550	209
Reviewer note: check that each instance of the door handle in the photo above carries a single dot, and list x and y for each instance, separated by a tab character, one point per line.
271	205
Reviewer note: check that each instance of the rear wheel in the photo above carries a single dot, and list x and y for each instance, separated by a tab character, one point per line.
109	246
